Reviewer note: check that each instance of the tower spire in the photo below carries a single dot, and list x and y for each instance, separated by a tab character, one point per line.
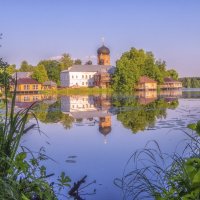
103	40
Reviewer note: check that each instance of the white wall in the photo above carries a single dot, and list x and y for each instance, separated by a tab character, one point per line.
81	79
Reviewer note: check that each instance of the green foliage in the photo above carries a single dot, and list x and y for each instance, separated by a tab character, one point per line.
195	127
4	75
25	67
138	117
136	63
190	82
173	74
78	62
53	69
20	177
40	74
52	114
66	61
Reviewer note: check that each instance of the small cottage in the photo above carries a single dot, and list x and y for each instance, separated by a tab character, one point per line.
26	85
49	85
146	83
170	83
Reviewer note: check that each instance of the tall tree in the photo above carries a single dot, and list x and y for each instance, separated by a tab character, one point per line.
53	69
40	73
89	62
136	63
173	74
11	69
66	61
78	62
25	67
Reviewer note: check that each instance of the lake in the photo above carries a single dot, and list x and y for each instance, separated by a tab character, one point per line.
96	135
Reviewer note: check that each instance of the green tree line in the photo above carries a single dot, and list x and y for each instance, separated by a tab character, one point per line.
190	82
45	69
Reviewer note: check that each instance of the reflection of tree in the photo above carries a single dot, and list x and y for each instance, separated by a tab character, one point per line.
41	111
138	117
52	114
67	121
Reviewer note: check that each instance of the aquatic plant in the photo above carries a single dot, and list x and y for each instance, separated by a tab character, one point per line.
152	174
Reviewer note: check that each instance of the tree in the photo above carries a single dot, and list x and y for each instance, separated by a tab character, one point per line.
78	62
25	67
136	63
128	70
53	69
89	62
66	61
40	74
11	69
173	74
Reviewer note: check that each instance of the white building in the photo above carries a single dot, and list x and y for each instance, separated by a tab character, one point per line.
82	75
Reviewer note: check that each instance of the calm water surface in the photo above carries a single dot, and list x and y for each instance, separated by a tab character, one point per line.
96	135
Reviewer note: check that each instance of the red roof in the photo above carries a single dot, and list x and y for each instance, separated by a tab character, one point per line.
145	79
169	80
26	81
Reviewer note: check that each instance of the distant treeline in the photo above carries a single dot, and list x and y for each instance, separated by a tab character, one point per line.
190	82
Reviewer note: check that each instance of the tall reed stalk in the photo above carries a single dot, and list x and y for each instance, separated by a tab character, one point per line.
12	127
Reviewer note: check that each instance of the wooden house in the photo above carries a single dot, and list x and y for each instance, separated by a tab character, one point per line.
146	83
49	85
26	85
102	79
170	83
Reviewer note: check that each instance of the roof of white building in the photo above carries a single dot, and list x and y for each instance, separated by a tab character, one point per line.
22	75
91	68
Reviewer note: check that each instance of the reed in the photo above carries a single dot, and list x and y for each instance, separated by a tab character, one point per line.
152	174
20	177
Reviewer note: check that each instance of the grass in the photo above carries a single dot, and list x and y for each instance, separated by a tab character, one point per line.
79	91
152	174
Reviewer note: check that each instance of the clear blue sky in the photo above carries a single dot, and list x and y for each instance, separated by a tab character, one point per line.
40	29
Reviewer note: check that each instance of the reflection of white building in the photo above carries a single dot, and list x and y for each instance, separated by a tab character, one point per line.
84	111
82	107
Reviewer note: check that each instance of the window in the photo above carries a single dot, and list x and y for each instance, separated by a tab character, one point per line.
72	76
35	98
26	87
86	83
85	76
82	76
89	76
76	76
35	87
26	98
82	83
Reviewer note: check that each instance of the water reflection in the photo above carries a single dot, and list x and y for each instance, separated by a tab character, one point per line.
137	116
137	112
89	110
26	100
